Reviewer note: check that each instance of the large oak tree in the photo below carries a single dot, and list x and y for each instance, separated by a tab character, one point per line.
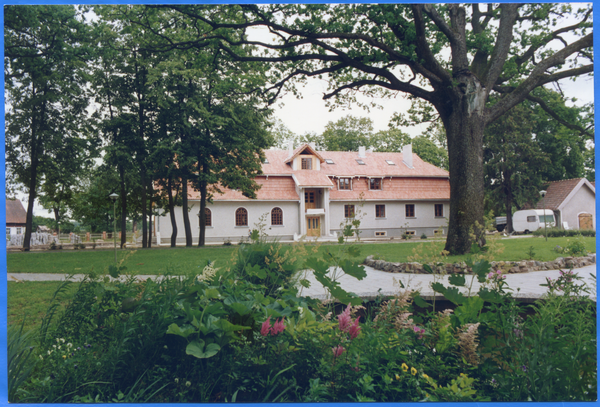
453	57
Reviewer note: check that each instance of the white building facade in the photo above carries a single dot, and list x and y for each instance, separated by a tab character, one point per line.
309	194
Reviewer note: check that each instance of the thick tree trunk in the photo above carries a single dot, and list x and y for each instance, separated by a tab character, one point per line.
123	206
172	211
461	112
186	215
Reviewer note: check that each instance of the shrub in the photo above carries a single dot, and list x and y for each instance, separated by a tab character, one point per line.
555	232
423	236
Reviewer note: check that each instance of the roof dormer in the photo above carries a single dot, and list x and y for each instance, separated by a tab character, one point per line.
305	157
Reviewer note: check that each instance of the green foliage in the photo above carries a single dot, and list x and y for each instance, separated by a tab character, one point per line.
555	232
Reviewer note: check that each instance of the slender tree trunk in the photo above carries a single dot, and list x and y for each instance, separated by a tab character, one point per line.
508	200
203	184
464	130
150	230
186	217
36	146
144	210
123	206
172	211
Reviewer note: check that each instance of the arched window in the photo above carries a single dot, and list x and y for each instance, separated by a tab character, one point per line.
276	216
241	217
208	216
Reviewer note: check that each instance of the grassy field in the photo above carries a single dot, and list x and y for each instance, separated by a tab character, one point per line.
183	260
30	300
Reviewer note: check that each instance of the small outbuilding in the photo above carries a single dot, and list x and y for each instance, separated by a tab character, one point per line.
573	202
16	217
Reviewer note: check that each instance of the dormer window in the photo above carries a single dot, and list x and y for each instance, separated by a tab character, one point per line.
307	163
375	184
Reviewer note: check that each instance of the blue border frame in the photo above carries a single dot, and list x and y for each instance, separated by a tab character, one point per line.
3	283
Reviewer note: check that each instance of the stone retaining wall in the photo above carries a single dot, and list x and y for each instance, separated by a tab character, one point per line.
507	266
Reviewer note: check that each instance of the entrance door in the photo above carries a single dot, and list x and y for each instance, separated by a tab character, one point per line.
585	221
313	227
310	200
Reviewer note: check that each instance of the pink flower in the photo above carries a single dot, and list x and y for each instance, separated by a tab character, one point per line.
337	351
266	327
345	320
354	330
278	327
419	331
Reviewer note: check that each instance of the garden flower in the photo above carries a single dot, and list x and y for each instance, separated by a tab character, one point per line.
425	376
404	367
176	380
419	331
266	327
397	377
337	351
354	330
64	356
278	327
188	384
413	371
345	319
41	357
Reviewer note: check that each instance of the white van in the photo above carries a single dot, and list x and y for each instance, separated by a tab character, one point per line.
532	219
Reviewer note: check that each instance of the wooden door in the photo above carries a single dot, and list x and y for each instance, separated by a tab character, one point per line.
585	221
310	200
313	226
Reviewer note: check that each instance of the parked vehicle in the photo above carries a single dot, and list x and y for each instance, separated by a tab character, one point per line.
532	219
500	223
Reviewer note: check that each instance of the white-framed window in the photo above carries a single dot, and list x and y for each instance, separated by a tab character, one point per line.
345	184
241	217
411	232
348	211
19	231
380	211
375	184
208	216
276	217
380	233
307	163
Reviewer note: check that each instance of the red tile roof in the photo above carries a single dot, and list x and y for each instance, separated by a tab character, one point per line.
345	164
15	213
406	189
312	178
557	192
279	182
273	189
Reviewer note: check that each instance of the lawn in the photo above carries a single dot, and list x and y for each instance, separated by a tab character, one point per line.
182	260
29	300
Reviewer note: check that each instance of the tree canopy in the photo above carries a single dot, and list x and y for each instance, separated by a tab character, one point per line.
453	57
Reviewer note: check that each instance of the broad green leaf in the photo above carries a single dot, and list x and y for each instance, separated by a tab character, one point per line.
198	349
421	302
353	269
457	280
176	330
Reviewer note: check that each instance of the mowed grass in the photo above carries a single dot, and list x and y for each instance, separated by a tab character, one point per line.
182	260
29	301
